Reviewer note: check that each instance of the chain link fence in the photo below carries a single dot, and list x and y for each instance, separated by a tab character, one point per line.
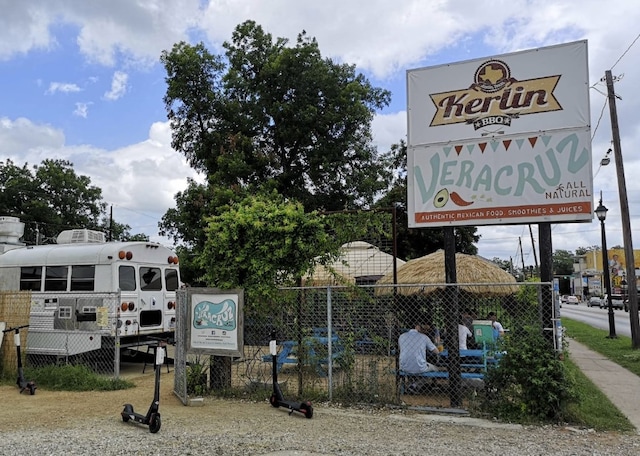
341	343
78	329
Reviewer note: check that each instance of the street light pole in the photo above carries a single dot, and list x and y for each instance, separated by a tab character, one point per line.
601	213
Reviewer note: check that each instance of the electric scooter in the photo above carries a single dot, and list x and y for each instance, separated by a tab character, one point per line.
277	399
152	418
21	382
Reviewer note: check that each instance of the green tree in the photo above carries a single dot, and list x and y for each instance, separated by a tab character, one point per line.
50	198
563	262
261	243
266	116
506	265
584	250
119	231
276	117
417	242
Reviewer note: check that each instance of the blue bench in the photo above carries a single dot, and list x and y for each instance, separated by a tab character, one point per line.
473	365
288	353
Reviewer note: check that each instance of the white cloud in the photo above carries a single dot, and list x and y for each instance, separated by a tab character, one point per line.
20	137
139	181
389	129
118	86
63	87
82	109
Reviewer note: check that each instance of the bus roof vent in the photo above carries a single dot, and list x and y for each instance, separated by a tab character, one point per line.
83	236
11	230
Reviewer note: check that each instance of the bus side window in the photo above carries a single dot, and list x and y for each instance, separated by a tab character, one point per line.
171	279
83	278
30	278
151	278
55	278
127	278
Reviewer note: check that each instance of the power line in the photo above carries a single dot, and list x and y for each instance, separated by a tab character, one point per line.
599	118
625	52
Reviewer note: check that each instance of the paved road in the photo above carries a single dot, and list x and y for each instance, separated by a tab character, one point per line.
598	318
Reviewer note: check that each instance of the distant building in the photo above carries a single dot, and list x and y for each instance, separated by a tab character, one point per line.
359	263
589	278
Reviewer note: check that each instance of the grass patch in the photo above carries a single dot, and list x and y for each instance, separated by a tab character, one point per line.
73	378
593	409
617	350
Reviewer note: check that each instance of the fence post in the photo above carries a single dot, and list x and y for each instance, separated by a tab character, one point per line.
329	345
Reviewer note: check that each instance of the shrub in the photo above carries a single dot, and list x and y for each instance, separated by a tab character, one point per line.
530	384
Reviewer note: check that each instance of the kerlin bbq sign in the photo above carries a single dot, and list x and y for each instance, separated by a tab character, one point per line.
501	140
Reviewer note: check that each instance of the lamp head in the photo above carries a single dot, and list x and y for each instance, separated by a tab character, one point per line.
601	210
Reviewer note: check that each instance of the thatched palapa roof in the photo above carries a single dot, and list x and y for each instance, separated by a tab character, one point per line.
470	269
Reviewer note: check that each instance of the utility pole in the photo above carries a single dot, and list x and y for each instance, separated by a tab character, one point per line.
624	211
533	244
524	271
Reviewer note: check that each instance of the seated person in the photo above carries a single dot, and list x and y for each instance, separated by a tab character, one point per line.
464	335
498	330
432	332
413	346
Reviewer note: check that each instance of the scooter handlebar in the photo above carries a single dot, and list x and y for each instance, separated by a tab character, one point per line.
15	328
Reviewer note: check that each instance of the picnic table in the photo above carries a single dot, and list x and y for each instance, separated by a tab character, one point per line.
473	365
316	351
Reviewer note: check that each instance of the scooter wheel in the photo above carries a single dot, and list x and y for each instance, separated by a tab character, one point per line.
307	409
154	423
274	401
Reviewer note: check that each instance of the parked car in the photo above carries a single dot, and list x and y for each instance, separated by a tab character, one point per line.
572	300
594	301
617	302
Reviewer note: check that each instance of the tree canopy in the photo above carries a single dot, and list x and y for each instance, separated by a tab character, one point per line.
51	197
268	115
273	116
563	262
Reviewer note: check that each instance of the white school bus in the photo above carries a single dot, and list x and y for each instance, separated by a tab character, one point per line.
87	293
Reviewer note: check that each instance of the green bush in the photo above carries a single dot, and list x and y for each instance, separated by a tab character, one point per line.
531	383
73	378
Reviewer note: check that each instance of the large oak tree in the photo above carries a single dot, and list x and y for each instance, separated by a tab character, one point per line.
268	115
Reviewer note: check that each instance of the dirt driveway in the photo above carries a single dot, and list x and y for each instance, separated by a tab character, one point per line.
64	423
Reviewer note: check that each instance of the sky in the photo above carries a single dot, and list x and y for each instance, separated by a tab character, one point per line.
82	81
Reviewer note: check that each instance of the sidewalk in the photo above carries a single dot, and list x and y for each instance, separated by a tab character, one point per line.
618	384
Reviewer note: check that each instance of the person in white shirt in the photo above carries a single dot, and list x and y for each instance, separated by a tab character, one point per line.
497	327
413	346
463	336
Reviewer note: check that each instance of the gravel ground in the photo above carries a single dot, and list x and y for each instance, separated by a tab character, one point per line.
63	423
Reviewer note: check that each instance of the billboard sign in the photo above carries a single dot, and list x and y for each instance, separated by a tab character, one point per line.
501	140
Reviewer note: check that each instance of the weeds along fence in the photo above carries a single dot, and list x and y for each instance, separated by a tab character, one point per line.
340	343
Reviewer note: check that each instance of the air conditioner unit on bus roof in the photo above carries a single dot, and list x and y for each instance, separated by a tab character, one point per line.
82	236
